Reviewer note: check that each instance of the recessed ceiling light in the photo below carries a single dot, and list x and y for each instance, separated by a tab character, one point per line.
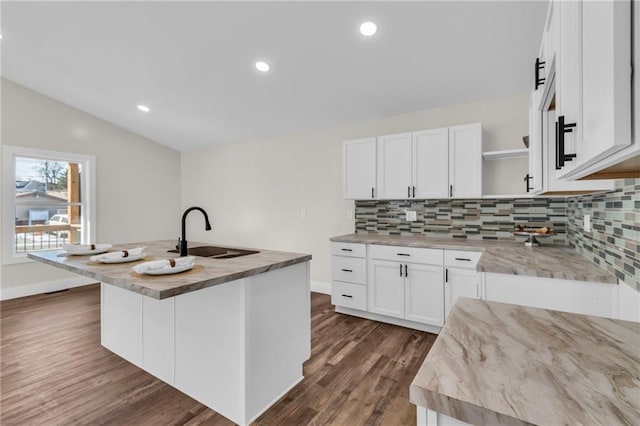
368	28
143	108
0	36
262	66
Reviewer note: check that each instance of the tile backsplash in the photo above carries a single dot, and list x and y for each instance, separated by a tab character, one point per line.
478	219
614	242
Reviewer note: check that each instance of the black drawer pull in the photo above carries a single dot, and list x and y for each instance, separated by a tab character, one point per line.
406	272
403	254
347	270
344	249
347	295
462	258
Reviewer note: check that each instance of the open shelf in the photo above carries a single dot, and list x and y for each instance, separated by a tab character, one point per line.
507	153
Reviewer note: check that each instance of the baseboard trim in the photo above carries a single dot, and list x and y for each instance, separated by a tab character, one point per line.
389	320
43	287
320	287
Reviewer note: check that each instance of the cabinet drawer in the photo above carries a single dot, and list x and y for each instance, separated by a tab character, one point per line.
349	269
462	258
406	254
348	249
349	295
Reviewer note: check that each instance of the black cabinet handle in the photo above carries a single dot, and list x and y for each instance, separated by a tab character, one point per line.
446	275
406	271
347	270
463	258
450	190
403	254
347	295
414	192
372	192
527	178
344	249
400	270
539	81
561	129
408	192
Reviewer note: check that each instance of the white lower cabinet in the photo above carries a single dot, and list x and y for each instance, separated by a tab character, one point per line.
424	294
460	282
580	297
410	291
386	288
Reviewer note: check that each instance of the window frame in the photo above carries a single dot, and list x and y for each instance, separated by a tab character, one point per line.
87	191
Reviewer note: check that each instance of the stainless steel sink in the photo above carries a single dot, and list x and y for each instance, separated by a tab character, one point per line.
215	252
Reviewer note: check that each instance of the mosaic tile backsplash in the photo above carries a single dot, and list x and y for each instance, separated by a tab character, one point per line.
614	242
485	219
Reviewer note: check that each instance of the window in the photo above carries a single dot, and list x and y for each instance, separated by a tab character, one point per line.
48	200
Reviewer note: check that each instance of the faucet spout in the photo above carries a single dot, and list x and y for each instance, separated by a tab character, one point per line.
183	240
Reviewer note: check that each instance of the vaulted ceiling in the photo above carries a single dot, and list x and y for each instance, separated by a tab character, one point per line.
192	63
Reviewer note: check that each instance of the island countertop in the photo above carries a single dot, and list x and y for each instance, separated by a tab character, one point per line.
207	272
503	257
495	363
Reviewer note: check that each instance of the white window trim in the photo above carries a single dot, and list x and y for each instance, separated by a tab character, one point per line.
88	195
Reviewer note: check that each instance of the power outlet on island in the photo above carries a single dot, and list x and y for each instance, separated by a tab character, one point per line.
586	223
411	215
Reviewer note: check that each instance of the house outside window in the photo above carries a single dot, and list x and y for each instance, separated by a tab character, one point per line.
48	200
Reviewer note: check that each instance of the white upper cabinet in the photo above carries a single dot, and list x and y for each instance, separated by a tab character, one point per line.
437	163
465	161
394	166
359	169
593	85
430	155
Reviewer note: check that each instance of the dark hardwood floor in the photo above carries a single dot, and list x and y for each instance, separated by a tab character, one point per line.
53	371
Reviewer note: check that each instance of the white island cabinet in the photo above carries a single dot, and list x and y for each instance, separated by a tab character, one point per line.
230	333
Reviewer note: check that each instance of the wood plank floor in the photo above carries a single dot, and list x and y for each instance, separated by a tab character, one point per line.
53	371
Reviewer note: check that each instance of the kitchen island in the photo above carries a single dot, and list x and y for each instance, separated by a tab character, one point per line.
500	364
231	333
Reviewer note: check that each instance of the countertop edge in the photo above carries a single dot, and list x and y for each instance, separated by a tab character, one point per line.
164	294
602	276
466	411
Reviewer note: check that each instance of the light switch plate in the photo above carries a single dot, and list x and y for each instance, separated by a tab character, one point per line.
411	215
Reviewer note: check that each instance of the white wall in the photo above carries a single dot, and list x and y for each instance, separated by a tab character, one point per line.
255	191
138	180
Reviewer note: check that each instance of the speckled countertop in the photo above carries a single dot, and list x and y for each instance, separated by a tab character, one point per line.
501	364
206	272
504	257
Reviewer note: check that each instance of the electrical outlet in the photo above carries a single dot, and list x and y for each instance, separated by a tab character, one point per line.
349	214
586	223
303	214
411	215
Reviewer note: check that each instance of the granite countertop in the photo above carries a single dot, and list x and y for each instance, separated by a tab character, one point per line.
504	257
495	363
206	272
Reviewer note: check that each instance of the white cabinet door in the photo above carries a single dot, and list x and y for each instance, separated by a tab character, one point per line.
430	164
359	169
424	294
535	144
394	166
606	78
594	80
460	283
385	291
465	161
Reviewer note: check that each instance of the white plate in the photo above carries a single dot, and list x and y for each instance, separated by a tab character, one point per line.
78	251
169	270
130	258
